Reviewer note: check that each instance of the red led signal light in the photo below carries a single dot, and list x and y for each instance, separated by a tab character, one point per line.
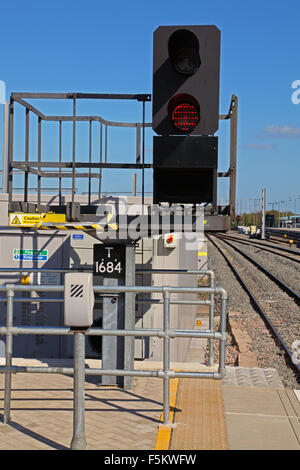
186	63
184	112
185	116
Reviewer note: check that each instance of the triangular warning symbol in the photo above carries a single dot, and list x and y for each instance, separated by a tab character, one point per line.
16	221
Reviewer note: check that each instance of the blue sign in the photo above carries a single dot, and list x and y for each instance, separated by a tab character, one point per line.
30	255
77	236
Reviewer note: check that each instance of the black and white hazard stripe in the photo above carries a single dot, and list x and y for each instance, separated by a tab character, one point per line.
76	290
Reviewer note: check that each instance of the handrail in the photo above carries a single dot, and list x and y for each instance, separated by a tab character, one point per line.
166	333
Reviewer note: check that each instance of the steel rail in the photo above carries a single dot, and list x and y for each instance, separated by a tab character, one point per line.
280	232
256	303
264	247
274	278
283	242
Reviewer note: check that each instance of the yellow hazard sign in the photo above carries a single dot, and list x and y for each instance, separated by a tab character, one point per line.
52	221
15	220
22	219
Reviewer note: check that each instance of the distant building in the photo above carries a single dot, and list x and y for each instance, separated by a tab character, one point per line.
289	221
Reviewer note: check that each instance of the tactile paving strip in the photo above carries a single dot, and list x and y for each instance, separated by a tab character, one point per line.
252	377
199	416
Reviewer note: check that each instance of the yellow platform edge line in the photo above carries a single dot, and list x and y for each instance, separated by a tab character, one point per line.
164	432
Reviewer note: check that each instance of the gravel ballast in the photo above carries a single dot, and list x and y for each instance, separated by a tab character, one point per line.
263	343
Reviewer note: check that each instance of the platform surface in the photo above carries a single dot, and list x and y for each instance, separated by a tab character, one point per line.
261	418
250	409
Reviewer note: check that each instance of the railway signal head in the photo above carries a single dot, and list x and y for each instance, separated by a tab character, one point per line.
185	114
186	63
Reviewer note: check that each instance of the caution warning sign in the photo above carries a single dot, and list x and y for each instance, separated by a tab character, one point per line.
30	220
16	220
23	220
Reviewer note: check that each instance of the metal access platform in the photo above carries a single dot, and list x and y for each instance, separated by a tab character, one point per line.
35	166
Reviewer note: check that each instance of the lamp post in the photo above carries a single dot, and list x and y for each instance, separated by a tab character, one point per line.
295	210
263	214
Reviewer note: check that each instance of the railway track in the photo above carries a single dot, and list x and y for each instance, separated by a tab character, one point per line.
282	241
282	321
282	235
278	250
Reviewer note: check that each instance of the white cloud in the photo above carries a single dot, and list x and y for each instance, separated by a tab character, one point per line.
281	131
260	147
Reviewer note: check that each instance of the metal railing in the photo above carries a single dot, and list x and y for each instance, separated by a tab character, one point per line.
209	273
79	370
94	169
69	169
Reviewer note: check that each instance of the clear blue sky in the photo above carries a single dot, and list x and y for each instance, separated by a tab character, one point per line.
97	46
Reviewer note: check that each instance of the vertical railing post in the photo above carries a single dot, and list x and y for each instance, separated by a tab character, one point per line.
223	326
100	170
105	145
233	153
143	158
211	320
90	161
11	150
79	440
5	165
166	356
60	160
74	151
26	155
138	143
129	321
39	183
8	351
